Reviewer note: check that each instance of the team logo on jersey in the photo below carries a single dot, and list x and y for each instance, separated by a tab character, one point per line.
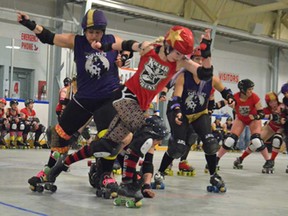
244	110
152	74
195	99
96	65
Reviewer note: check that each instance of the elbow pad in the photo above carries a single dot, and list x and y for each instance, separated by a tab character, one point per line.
127	45
46	36
205	74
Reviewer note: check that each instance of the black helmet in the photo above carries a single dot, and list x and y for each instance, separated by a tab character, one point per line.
155	126
28	101
13	102
67	81
245	84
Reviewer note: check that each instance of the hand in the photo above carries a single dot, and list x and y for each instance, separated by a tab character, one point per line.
96	45
231	103
178	119
251	117
207	35
21	15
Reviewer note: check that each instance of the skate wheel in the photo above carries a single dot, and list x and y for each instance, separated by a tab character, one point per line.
53	188
223	189
39	188
32	188
117	201
106	195
114	195
206	171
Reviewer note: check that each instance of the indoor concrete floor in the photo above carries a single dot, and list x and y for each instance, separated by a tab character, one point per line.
248	190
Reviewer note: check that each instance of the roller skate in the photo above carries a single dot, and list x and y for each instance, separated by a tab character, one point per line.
268	167
169	170
92	174
147	191
108	187
12	145
3	144
129	194
238	163
158	181
217	184
37	145
117	168
206	169
20	145
39	182
185	169
57	168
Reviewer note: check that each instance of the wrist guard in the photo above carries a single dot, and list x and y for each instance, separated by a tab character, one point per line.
28	23
125	57
162	94
205	73
211	105
275	117
106	47
227	94
127	45
205	47
220	104
260	115
46	36
175	103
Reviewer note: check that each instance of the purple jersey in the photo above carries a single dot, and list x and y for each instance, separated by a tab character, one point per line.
97	73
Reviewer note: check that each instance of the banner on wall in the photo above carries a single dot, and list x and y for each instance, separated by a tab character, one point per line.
16	89
29	42
229	77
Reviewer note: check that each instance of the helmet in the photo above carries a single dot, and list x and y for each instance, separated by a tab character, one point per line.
180	39
28	101
155	126
94	19
196	52
2	100
245	84
13	102
284	88
218	117
67	81
271	96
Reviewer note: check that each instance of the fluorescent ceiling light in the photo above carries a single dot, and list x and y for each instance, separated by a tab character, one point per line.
12	47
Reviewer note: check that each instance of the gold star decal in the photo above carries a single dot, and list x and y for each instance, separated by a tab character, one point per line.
174	36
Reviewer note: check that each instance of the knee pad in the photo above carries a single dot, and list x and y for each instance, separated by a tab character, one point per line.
104	148
22	126
14	126
210	145
256	143
230	142
176	148
147	167
141	143
277	140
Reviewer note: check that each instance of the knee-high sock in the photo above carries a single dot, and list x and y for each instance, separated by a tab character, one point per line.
166	161
84	152
129	165
211	161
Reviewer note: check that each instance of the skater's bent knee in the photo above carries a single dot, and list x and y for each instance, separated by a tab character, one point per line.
210	145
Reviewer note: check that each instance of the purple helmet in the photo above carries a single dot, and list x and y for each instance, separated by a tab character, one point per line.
284	88
94	19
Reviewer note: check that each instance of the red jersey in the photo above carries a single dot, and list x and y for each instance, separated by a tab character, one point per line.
29	115
13	113
273	124
2	113
62	96
152	76
245	108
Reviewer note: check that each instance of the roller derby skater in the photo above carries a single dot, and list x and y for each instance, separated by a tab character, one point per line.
185	169
3	123
249	112
217	184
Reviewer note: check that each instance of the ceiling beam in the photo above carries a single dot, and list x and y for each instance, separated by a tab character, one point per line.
206	10
254	10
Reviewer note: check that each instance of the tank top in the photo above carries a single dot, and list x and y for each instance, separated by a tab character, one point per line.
195	96
152	76
97	73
